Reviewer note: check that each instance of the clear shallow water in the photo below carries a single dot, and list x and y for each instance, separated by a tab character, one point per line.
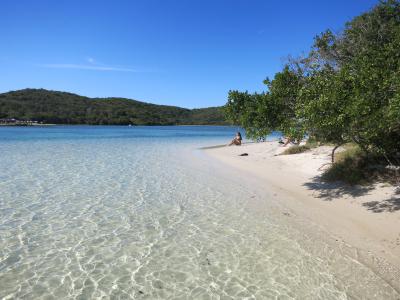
138	212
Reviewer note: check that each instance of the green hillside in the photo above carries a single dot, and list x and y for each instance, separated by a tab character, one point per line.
65	108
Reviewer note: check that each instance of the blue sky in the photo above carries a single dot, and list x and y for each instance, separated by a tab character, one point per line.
187	53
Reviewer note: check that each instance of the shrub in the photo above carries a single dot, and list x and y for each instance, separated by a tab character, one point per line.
313	143
353	166
296	150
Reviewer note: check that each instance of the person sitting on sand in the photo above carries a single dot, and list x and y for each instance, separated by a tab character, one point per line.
237	140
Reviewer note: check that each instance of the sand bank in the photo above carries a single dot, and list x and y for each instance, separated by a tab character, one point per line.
367	218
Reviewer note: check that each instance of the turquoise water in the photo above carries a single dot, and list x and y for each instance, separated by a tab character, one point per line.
73	133
140	213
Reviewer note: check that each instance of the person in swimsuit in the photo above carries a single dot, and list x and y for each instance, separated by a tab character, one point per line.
237	140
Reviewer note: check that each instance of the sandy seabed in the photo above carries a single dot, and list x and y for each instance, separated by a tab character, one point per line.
124	215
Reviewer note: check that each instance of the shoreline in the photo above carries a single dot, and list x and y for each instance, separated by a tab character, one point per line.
26	125
366	219
129	125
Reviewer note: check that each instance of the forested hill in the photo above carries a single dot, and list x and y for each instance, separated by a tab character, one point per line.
66	108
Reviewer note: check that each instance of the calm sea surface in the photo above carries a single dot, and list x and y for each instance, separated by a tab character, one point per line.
140	213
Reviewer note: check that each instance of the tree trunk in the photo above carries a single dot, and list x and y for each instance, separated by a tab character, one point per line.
333	152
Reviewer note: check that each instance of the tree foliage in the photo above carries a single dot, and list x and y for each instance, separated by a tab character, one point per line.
346	88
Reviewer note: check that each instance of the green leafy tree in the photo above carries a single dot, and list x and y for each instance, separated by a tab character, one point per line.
260	114
351	92
346	89
323	107
282	102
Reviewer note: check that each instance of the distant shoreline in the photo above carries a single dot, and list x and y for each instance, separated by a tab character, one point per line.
61	107
161	125
26	125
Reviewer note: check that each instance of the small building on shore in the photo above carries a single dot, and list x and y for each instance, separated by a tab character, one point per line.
16	122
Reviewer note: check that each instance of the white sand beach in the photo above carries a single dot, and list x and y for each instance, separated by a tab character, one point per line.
367	218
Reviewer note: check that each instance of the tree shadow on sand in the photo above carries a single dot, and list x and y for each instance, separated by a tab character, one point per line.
389	205
329	191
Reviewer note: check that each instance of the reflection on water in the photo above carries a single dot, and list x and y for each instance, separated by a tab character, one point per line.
97	212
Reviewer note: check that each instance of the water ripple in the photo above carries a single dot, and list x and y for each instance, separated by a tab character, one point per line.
120	219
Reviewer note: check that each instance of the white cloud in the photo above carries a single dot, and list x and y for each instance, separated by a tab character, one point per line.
87	67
